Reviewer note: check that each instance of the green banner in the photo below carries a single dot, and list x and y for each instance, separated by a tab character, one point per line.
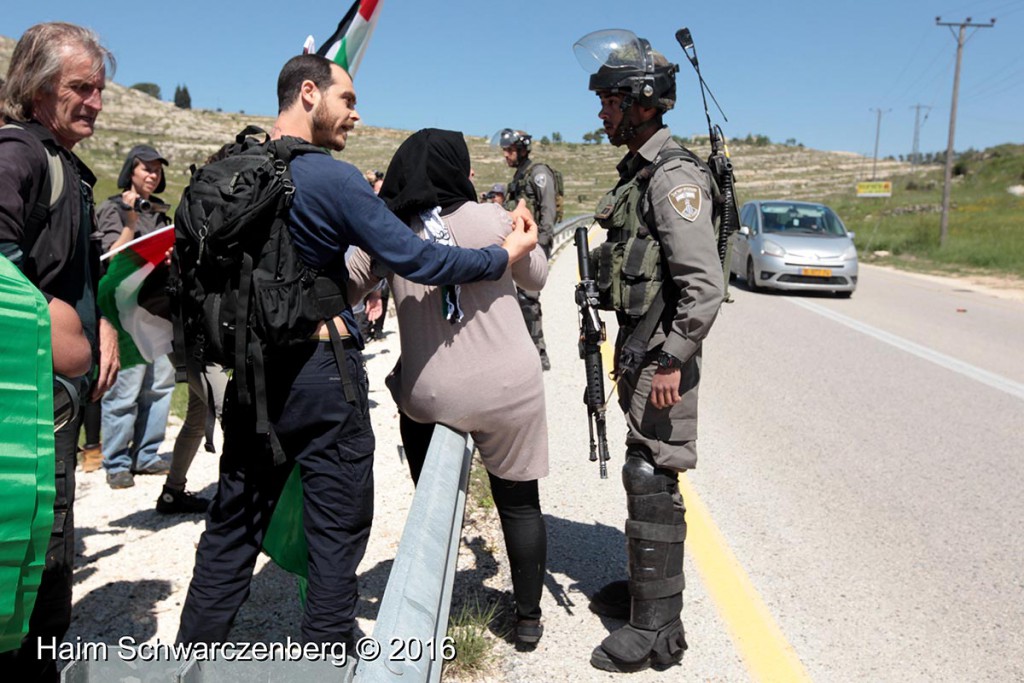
26	449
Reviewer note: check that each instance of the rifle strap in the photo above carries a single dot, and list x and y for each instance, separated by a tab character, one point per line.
631	356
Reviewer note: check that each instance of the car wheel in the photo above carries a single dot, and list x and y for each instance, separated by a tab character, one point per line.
751	280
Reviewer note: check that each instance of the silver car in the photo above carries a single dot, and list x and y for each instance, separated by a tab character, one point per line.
794	245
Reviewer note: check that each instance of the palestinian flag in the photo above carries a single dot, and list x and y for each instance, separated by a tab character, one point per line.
133	296
348	44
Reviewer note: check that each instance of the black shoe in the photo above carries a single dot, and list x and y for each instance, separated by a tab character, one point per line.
612	601
175	502
632	649
529	631
160	466
120	480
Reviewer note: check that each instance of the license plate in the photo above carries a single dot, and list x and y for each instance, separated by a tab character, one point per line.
817	272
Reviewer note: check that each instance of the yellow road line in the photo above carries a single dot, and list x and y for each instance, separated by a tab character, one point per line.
769	657
765	650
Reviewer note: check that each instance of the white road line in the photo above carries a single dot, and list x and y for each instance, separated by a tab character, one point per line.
993	380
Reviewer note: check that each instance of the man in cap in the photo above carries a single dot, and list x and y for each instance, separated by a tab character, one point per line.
659	271
538	185
50	100
496	193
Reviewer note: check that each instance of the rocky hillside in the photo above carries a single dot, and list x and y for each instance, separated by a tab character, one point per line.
187	137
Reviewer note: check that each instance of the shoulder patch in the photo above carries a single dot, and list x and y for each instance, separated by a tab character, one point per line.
686	200
541	179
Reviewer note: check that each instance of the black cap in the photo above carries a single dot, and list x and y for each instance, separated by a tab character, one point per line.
140	153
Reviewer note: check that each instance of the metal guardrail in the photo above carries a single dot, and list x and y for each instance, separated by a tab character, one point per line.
418	596
564	231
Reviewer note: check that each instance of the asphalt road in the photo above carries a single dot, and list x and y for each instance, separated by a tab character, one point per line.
860	465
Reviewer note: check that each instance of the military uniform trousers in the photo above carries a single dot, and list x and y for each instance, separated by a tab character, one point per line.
668	434
529	303
332	441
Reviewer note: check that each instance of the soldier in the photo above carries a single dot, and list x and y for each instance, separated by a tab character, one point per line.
538	185
659	271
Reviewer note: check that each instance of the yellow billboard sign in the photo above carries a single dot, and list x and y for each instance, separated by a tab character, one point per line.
875	188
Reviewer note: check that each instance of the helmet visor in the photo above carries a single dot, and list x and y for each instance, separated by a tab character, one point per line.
506	137
612	52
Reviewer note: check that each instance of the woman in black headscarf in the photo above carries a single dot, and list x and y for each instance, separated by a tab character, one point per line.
467	359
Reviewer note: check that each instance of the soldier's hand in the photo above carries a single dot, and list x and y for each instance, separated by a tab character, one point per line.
665	388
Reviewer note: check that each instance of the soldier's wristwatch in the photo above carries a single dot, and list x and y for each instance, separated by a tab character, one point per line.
667	361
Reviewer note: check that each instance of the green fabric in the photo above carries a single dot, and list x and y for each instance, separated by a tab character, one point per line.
123	265
26	449
285	540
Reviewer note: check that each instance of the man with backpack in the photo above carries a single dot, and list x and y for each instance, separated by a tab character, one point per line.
304	402
541	187
50	100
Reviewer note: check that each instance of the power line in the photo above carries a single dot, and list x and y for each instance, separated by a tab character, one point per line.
960	39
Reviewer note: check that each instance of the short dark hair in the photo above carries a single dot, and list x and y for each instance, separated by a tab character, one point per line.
298	69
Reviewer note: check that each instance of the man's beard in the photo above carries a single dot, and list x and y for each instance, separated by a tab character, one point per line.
323	130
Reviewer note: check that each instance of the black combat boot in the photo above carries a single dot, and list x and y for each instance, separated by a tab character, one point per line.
655	530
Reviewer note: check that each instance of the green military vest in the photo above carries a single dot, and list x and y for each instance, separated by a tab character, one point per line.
628	264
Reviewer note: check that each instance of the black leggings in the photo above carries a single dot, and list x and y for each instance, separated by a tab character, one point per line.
522	523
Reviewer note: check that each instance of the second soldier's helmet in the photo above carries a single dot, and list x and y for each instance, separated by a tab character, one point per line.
506	137
618	60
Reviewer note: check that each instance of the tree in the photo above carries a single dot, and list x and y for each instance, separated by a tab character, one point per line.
182	100
556	137
544	142
151	89
594	137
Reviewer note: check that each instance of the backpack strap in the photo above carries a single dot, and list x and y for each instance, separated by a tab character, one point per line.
36	217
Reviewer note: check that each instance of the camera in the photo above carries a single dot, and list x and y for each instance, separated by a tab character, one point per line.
140	206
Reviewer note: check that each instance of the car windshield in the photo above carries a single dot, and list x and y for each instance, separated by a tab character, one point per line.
802	219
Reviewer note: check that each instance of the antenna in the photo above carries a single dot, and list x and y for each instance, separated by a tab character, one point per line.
686	42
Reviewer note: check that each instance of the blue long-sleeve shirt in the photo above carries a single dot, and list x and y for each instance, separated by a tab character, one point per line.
335	207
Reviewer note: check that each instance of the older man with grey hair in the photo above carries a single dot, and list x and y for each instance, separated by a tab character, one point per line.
51	97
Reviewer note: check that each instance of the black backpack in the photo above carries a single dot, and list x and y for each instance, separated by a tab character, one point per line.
241	292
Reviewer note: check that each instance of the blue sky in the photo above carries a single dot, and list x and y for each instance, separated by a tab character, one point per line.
801	69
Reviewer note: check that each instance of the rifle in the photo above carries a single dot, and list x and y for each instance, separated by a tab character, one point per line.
592	334
718	161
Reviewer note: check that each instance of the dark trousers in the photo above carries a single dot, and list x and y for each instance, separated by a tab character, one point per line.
332	442
51	615
522	524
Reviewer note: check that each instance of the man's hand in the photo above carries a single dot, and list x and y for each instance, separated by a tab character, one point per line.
374	306
110	359
523	237
665	388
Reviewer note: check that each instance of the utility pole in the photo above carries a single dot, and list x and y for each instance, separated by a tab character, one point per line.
915	154
948	181
878	130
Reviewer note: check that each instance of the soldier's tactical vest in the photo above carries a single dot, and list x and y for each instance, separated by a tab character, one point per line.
629	264
522	188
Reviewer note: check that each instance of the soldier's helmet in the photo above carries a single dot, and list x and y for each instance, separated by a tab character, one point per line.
618	60
506	137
